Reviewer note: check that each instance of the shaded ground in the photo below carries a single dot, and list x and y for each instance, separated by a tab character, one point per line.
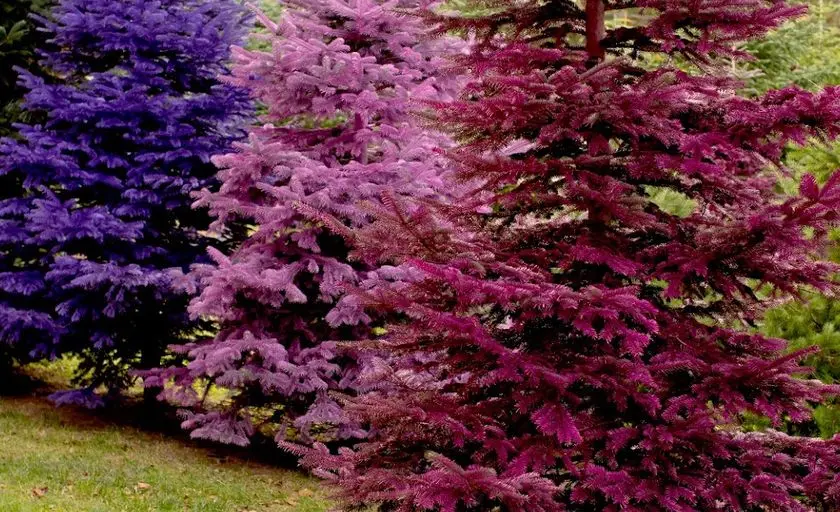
68	460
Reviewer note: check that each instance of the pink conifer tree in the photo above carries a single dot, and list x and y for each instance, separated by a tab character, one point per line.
340	84
591	349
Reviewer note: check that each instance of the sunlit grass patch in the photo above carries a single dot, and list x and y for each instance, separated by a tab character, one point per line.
64	460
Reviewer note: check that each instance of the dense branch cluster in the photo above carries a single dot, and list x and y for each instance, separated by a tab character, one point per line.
588	348
340	84
95	215
448	256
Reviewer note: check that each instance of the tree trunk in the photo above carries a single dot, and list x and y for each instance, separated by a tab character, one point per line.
595	29
150	359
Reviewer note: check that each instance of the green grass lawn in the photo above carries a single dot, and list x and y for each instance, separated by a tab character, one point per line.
72	461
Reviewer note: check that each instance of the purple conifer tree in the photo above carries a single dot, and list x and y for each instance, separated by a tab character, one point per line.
589	346
339	84
96	219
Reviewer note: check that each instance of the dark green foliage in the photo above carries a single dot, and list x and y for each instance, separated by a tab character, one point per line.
19	41
816	323
805	52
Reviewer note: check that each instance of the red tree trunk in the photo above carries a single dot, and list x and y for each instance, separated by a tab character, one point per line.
595	29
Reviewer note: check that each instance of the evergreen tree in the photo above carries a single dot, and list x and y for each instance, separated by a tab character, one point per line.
96	210
582	339
339	85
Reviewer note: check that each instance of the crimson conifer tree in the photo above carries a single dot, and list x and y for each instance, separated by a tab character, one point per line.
590	350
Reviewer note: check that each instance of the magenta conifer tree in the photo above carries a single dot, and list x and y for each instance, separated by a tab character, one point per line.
591	350
340	84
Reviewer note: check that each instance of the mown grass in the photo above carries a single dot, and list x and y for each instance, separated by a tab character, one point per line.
68	460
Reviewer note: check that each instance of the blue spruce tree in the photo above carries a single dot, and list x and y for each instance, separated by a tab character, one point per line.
96	223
